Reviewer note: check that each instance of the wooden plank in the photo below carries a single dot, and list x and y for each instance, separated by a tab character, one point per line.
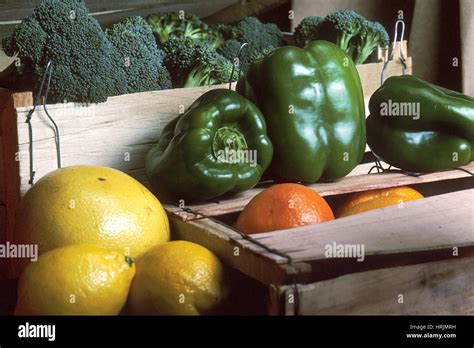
224	243
422	231
10	178
435	288
117	133
433	223
356	181
22	99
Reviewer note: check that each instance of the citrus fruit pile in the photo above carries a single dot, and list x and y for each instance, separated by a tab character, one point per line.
104	246
103	238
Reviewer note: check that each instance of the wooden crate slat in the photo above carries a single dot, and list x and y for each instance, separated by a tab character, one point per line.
356	181
434	288
117	133
433	223
9	180
224	243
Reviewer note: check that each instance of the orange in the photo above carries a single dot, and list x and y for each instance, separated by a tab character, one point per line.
374	199
283	206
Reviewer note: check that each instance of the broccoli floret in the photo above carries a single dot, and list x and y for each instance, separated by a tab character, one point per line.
86	67
257	34
340	27
141	59
354	34
372	35
230	50
262	54
307	30
166	25
259	37
195	63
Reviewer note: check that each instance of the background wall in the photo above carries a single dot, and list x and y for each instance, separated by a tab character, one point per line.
438	32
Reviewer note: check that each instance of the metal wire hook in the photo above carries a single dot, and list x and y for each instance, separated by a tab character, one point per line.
239	54
48	73
392	50
402	34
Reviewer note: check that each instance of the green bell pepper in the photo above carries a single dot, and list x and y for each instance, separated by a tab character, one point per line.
218	146
313	103
420	127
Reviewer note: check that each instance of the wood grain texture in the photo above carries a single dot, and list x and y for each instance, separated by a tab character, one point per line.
417	232
9	179
438	222
117	133
358	180
224	242
435	288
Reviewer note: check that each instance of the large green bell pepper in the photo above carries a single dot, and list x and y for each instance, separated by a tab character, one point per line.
420	127
218	146
313	103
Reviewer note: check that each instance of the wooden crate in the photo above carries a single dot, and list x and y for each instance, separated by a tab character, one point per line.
420	247
119	132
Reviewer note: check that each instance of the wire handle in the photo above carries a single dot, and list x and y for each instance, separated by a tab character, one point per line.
239	54
398	23
40	99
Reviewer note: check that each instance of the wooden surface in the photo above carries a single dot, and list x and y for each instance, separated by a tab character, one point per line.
419	231
9	179
117	133
358	180
438	222
225	243
435	288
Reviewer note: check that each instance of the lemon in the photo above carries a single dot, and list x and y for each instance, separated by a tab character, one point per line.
177	278
92	205
75	280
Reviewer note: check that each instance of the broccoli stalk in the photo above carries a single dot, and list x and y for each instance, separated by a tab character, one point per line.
354	34
372	35
342	26
166	25
215	69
